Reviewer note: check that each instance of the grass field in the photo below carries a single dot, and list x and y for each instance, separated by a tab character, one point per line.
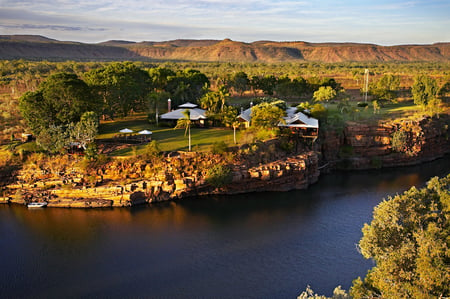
169	139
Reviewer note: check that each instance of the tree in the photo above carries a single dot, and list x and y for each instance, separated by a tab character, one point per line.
122	86
85	130
268	84
230	119
60	100
324	94
187	85
408	239
266	115
240	82
386	88
424	90
159	77
185	123
53	138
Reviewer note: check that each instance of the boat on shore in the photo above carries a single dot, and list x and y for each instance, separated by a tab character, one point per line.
41	204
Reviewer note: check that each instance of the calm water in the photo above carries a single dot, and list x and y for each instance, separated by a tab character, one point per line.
261	245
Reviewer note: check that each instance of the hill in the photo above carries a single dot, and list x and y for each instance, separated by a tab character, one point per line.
39	47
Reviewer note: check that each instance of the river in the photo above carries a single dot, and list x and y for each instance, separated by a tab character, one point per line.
259	245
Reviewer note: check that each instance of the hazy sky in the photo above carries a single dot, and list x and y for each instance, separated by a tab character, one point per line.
384	22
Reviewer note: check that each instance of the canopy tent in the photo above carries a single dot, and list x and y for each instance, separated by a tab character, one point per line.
145	132
126	130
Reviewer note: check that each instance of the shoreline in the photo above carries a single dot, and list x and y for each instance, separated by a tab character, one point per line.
184	175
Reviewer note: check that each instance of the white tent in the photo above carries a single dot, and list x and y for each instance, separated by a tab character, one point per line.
126	130
145	132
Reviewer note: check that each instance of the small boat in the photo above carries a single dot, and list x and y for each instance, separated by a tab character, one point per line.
41	204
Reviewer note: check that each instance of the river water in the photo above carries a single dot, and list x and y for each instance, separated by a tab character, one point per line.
259	245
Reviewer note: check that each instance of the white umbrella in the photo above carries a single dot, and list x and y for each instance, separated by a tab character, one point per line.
126	130
145	132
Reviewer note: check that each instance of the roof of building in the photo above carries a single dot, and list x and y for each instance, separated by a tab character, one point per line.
300	120
246	115
196	114
293	118
187	105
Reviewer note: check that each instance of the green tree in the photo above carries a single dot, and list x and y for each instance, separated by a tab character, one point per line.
159	77
53	138
266	115
187	85
408	239
268	84
185	123
424	90
240	82
230	119
324	94
122	86
60	100
386	88
85	130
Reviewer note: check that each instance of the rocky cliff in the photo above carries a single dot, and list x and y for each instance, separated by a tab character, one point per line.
295	172
363	146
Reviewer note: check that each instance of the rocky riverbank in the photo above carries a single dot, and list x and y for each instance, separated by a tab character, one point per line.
263	167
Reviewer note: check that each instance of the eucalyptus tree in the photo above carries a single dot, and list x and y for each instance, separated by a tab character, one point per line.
123	87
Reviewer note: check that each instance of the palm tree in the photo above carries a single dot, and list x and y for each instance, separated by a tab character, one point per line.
185	122
235	124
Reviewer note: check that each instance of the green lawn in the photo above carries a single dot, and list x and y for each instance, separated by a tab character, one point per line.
169	139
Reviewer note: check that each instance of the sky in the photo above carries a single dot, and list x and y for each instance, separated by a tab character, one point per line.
382	22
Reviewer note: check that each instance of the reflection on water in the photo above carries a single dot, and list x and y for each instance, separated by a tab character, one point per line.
262	245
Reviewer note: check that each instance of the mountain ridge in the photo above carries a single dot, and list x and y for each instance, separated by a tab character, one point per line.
209	50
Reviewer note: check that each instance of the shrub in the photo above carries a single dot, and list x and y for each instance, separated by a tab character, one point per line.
362	104
219	175
219	147
399	141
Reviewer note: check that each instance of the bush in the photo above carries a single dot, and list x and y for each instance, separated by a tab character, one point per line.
219	175
399	141
219	147
362	104
152	149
